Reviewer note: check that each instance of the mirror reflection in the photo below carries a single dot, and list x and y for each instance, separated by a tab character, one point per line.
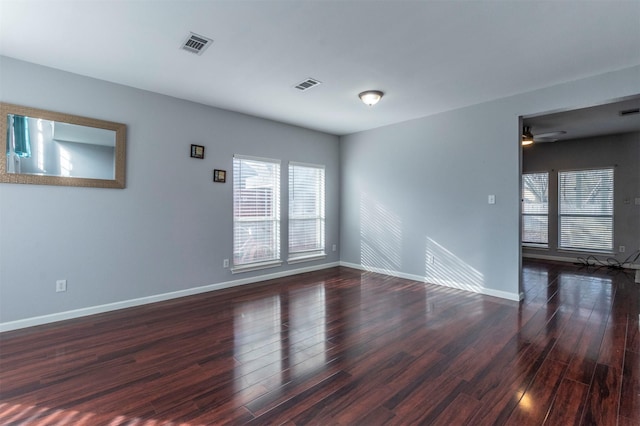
45	147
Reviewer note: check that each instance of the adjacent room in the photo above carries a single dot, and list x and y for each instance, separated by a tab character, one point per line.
344	212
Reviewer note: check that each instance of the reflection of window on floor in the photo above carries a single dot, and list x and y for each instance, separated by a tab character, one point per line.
535	209
258	351
307	330
585	208
306	211
256	211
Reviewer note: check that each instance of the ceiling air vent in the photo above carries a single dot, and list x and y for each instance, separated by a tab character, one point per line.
629	112
307	84
195	43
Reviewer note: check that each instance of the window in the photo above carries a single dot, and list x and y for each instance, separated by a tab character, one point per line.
586	209
306	211
256	213
535	209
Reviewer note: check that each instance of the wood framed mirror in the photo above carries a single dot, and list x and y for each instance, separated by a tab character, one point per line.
52	148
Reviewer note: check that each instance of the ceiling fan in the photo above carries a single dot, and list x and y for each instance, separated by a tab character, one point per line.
548	136
528	137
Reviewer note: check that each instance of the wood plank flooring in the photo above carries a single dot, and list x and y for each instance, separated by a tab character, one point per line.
341	347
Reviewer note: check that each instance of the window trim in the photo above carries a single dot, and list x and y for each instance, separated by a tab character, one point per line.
271	263
313	254
528	244
237	269
560	248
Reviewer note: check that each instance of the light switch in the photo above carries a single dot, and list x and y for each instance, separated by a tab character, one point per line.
491	199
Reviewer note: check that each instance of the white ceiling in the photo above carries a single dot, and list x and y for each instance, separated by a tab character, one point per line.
427	56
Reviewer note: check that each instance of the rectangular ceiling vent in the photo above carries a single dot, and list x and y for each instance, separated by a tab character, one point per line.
197	44
307	84
629	112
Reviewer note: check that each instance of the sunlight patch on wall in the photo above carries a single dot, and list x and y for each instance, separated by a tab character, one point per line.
442	267
380	236
40	147
65	162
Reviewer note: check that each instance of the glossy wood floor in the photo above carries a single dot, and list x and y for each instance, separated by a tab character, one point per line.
341	347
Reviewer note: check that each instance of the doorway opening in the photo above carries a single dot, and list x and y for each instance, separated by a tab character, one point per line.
580	185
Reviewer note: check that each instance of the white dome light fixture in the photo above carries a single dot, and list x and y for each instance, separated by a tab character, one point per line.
371	97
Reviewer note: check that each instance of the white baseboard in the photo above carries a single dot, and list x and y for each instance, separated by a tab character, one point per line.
92	310
451	284
565	259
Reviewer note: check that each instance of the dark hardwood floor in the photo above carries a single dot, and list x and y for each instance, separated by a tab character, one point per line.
341	347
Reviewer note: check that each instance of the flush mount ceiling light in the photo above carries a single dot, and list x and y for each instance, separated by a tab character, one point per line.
371	97
527	136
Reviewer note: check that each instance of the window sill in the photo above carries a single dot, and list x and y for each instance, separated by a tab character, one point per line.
586	251
535	246
300	259
255	266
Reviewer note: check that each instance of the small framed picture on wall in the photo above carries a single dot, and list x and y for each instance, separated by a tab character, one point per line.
197	151
220	176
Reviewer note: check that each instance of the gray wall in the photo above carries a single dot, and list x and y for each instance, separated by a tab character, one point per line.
396	196
621	151
417	191
169	230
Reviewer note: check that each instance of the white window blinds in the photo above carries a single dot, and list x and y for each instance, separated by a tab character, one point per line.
535	209
586	209
256	211
306	211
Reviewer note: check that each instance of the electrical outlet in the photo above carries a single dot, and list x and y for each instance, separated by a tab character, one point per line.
333	247
491	199
621	249
225	263
61	285
431	259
